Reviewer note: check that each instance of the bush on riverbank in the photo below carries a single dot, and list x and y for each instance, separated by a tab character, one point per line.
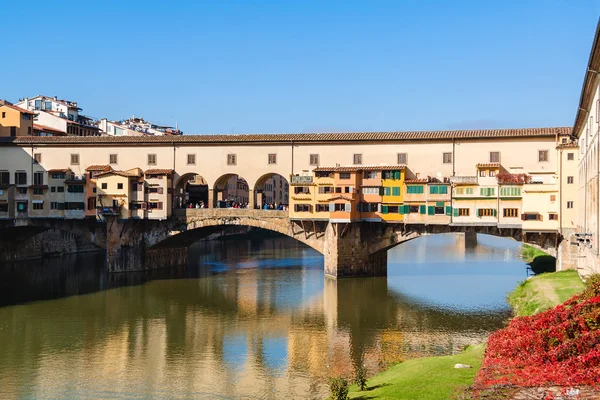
560	346
545	291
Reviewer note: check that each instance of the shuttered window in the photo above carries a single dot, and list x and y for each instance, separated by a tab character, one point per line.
414	189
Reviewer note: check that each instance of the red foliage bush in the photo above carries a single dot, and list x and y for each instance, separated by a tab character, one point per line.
559	347
505	177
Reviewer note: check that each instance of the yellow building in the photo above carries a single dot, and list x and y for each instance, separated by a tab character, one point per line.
114	192
15	121
465	191
392	181
540	205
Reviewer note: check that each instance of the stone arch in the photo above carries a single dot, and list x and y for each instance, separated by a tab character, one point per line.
231	188
190	188
271	188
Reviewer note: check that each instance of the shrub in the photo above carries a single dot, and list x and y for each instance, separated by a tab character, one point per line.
338	388
560	346
360	378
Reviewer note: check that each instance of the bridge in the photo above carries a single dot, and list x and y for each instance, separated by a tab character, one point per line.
349	249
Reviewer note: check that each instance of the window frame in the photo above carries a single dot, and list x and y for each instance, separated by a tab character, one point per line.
231	159
491	158
110	159
447	155
546	153
313	157
405	155
272	159
75	160
152	159
357	159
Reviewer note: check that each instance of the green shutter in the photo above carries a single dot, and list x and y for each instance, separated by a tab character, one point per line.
495	212
384	209
439	204
396	191
456	212
406	209
449	211
422	209
431	210
400	209
469	190
396	175
433	189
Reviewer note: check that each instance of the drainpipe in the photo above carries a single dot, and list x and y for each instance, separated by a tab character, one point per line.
173	180
292	142
560	189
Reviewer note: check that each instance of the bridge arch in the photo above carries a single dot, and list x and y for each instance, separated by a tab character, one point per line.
271	188
230	188
190	188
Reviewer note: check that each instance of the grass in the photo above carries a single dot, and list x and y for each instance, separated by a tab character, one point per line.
544	291
529	253
428	378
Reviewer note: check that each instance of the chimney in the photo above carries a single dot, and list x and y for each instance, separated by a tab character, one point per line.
55	98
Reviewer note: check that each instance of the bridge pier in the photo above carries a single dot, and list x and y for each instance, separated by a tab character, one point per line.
346	254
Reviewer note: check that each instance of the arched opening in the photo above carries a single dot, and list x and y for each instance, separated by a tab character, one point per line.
191	191
272	191
231	191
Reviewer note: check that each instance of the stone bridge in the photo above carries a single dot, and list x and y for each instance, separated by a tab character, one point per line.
349	249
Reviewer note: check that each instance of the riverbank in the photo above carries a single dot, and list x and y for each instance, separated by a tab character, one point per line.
433	378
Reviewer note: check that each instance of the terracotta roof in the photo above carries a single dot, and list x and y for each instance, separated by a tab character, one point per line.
355	168
56	171
296	137
424	180
488	165
98	168
24	111
565	145
588	88
47	128
38	186
339	198
158	171
113	172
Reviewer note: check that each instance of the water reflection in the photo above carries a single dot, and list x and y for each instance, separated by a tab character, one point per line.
251	319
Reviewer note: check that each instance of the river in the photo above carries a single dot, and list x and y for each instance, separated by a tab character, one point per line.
250	319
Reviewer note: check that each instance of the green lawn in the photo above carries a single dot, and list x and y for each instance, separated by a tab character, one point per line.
544	291
529	253
423	378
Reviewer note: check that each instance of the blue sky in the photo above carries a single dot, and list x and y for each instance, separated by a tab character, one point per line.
305	66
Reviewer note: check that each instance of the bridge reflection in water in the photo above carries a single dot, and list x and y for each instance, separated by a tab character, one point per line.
253	318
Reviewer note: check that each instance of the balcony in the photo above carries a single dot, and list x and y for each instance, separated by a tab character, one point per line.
463	180
109	210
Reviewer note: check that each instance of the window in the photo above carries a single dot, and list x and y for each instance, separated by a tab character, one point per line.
38	206
38	178
414	209
112	159
77	205
4	178
569	204
462	212
60	175
37	157
20	178
492	173
231	159
38	192
338	189
414	189
119	186
439	210
151	159
322	208
510	212
344	175
370	174
396	191
57	206
314	159
341	207
191	159
482	173
487	191
447	158
542	155
155	205
494	156
3	207
531	217
48	105
104	185
552	197
395	175
553	217
301	190
510	191
570	179
74	159
357	159
272	158
22	190
3	114
53	189
371	190
437	189
75	188
570	156
60	189
302	207
91	203
325	189
486	212
402	158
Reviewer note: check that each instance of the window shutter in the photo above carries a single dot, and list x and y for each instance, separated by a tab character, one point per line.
539	217
522	217
495	212
396	191
431	210
455	212
143	205
422	209
384	209
379	207
160	205
444	190
160	190
331	207
439	204
479	212
348	207
401	210
448	211
396	174
406	209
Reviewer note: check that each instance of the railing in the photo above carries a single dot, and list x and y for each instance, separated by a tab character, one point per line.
109	210
229	212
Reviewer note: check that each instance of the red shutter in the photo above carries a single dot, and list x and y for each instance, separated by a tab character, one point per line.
159	205
143	205
160	190
522	217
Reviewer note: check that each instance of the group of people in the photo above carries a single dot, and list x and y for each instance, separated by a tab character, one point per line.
274	206
234	204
